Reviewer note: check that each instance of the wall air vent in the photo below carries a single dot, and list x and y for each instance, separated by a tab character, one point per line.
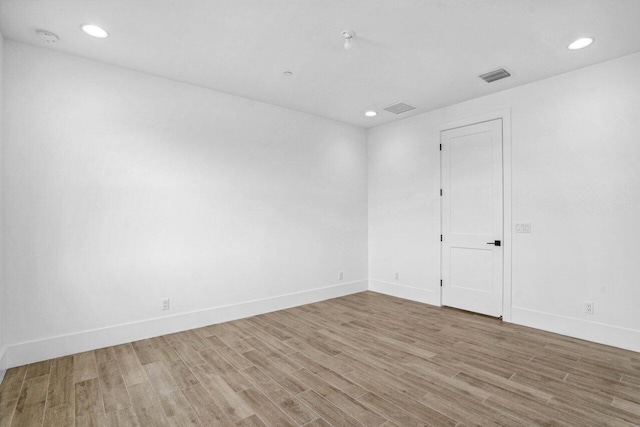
494	75
399	108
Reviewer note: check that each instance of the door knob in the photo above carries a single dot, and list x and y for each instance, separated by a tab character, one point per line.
495	242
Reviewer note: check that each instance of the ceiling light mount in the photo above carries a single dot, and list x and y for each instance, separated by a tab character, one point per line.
348	35
47	36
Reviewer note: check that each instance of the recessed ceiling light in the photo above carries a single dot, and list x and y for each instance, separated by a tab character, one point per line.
95	31
371	113
580	43
287	74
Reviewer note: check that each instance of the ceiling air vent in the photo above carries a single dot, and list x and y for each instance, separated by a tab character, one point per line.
399	108
494	75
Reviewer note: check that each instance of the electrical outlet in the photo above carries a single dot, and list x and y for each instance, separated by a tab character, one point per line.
166	303
341	275
588	307
523	227
397	276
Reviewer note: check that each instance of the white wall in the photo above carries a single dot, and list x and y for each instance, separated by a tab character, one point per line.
3	320
576	178
122	189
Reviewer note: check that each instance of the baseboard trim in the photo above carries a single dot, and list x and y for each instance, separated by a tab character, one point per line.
63	345
600	333
426	296
3	362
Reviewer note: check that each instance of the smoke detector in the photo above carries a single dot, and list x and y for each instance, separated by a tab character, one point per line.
47	36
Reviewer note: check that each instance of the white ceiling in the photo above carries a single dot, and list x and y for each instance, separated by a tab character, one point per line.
427	53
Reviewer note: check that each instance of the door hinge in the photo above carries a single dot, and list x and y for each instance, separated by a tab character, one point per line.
440	282
440	147
441	191
441	237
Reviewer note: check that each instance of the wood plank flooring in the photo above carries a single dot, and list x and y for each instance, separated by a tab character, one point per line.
365	359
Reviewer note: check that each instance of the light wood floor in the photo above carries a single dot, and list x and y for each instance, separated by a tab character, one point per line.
363	359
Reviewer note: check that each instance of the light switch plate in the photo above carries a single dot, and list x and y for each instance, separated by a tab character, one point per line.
523	227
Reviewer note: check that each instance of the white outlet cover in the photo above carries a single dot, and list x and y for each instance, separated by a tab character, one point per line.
523	227
589	307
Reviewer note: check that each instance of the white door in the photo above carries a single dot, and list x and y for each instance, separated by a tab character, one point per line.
472	223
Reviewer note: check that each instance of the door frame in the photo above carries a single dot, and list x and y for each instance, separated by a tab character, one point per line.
505	115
